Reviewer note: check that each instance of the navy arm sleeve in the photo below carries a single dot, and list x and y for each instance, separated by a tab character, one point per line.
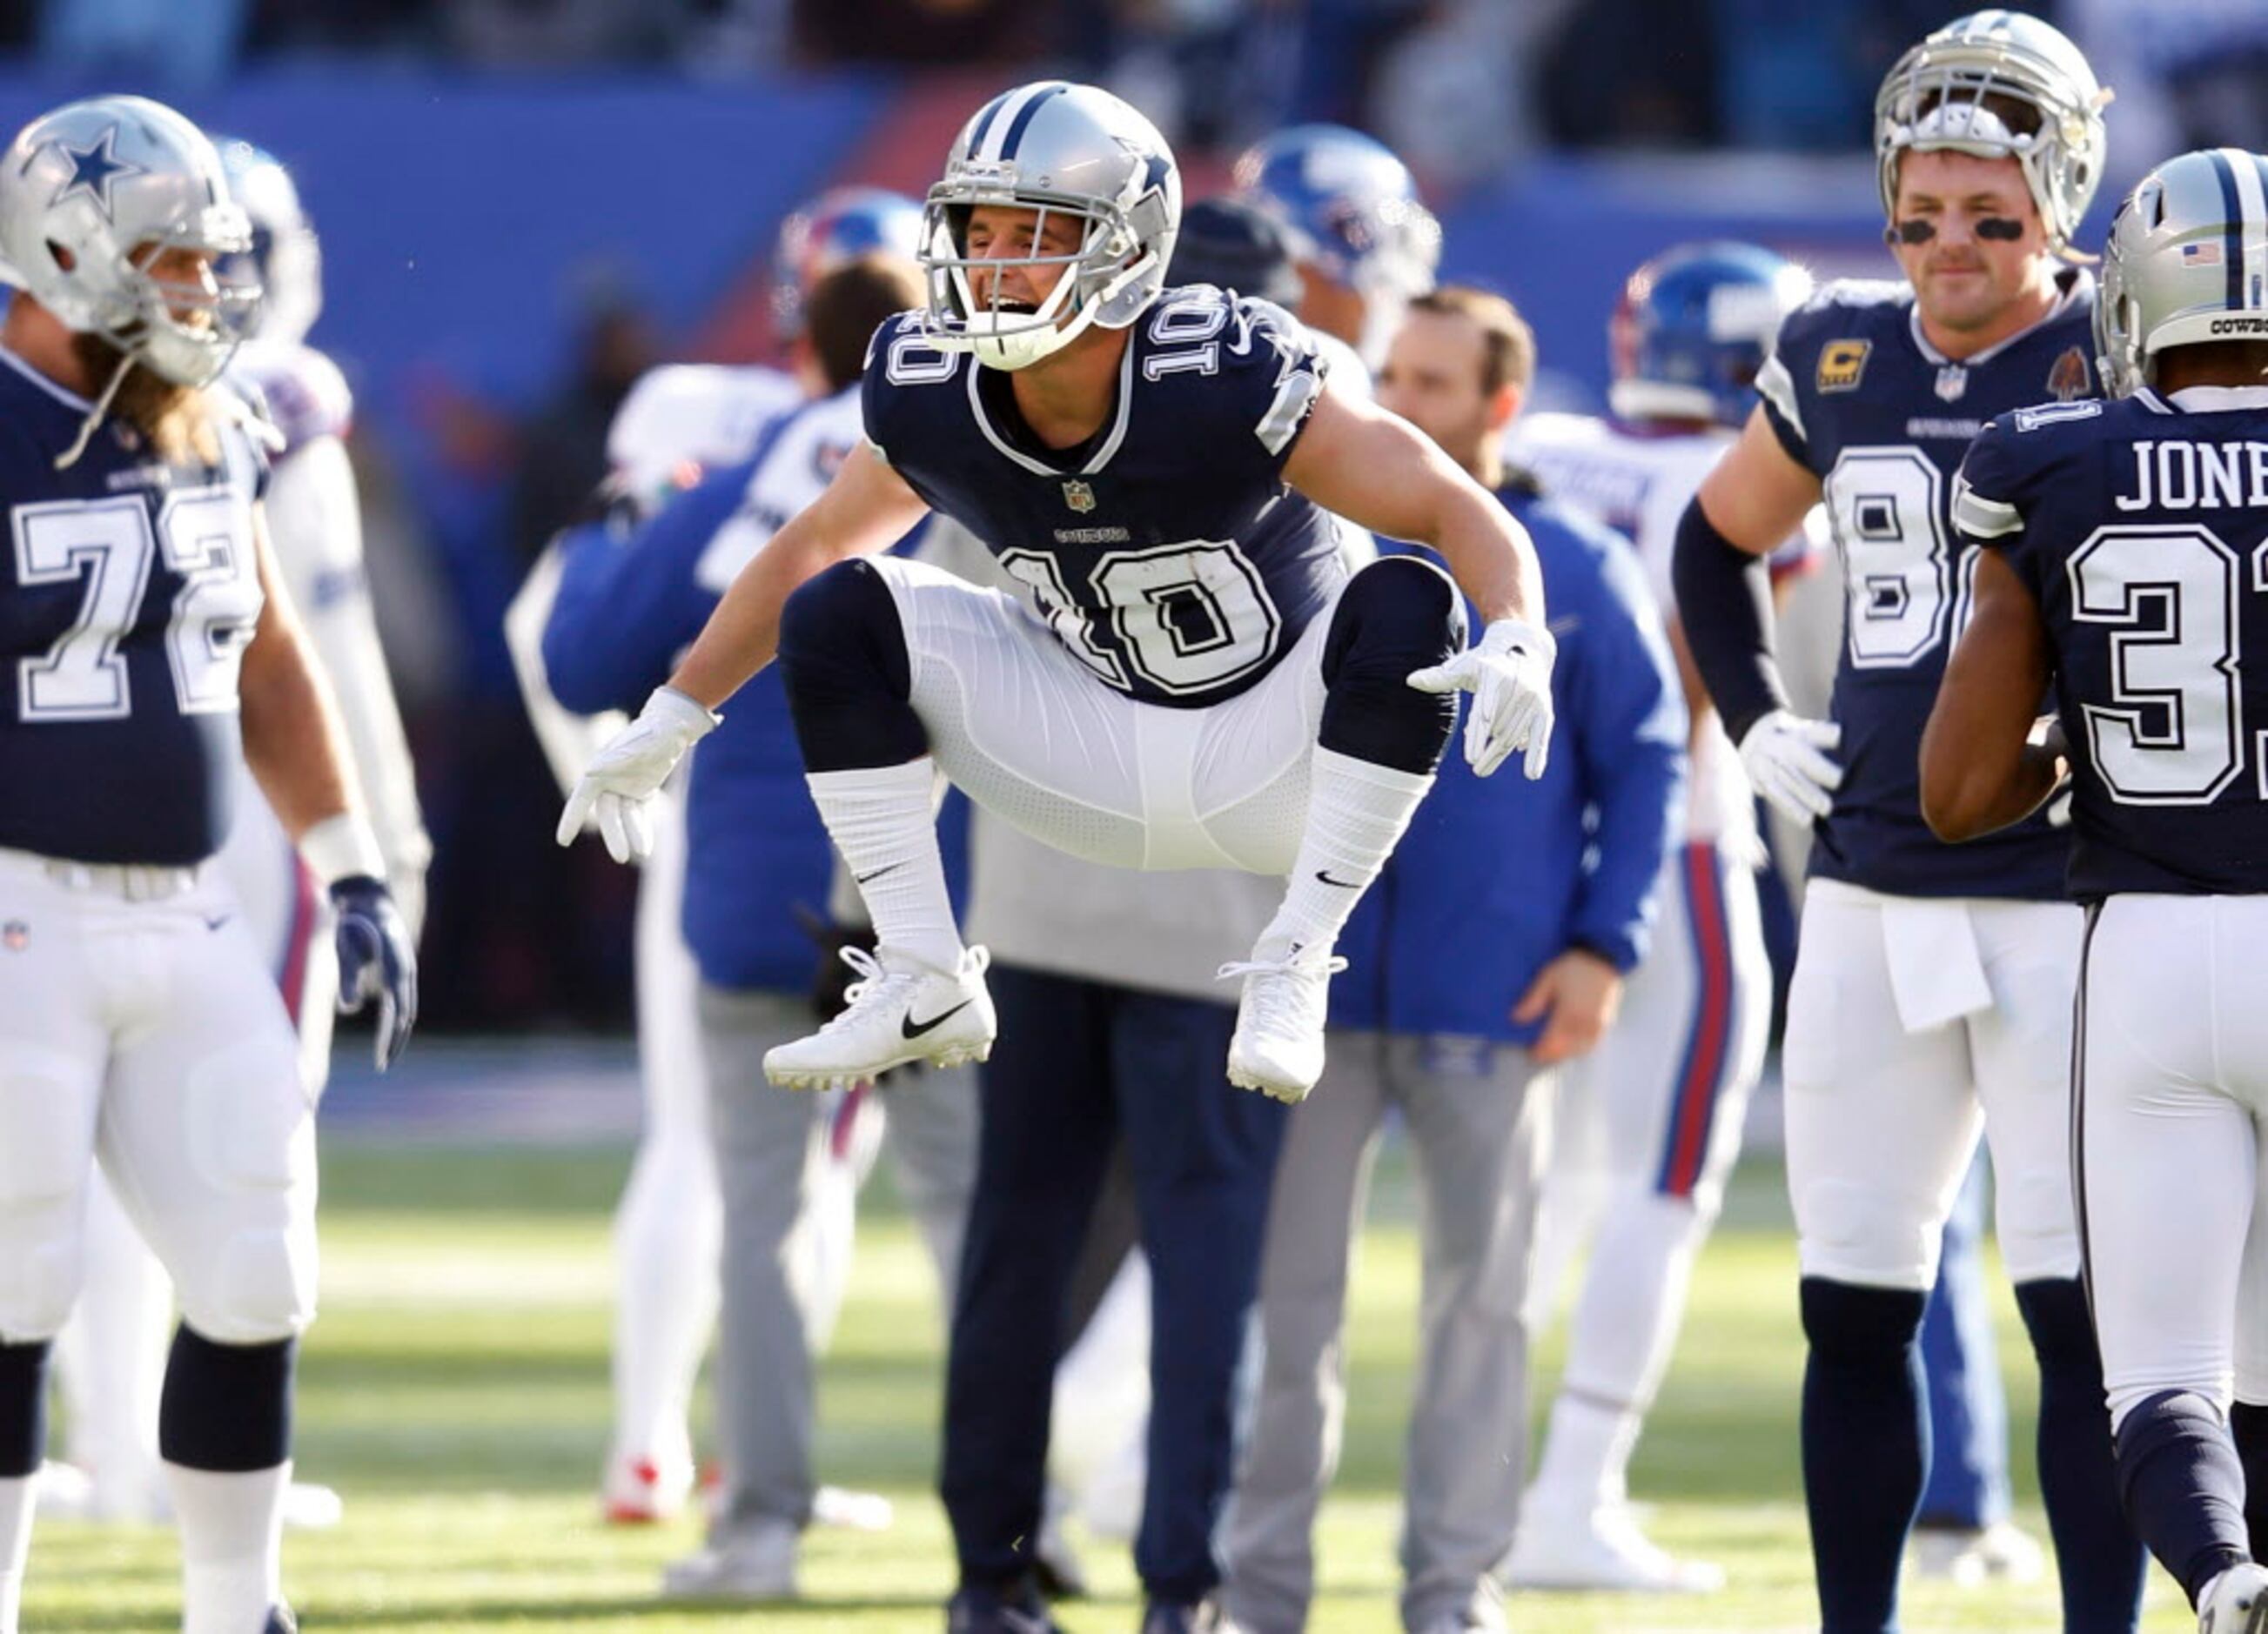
628	606
1628	715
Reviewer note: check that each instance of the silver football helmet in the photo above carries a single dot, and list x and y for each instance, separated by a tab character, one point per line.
1060	150
90	194
1954	91
2187	261
287	257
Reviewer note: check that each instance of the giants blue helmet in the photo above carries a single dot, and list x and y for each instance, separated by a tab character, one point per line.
839	225
287	258
1354	213
1693	328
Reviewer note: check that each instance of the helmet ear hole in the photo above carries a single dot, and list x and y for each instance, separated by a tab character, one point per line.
61	255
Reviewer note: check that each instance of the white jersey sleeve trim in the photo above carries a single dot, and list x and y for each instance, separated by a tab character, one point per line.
1981	517
1778	387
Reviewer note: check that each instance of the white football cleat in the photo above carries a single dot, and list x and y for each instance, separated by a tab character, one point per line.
900	1012
756	1563
1277	1048
2236	1602
641	1491
850	1510
1603	1549
1971	1557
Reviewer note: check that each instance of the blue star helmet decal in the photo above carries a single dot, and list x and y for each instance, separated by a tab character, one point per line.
94	169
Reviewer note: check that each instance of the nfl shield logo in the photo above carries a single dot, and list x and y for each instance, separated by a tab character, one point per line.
1951	381
15	935
1079	496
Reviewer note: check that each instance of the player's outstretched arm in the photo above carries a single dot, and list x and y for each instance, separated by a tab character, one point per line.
1979	769
1380	472
866	509
296	747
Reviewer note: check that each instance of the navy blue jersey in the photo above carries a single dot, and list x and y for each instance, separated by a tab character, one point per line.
1167	553
1856	395
126	600
2142	531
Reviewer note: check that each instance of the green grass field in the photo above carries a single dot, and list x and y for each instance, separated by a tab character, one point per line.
455	1391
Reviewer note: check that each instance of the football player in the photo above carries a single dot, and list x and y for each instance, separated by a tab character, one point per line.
1192	680
1670	1084
2123	548
1363	242
112	1354
154	645
679	424
1932	986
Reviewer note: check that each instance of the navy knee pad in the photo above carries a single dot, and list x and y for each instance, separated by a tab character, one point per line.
1396	615
1845	1321
226	1407
23	1408
842	656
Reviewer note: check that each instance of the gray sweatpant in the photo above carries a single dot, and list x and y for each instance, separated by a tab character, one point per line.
763	1139
1477	1116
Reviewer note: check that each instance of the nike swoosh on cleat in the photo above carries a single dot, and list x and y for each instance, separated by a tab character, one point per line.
861	878
1344	885
912	1029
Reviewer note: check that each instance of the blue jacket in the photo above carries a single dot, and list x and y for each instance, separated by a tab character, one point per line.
756	852
1496	878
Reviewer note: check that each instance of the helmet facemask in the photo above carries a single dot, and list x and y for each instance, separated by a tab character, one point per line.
1091	279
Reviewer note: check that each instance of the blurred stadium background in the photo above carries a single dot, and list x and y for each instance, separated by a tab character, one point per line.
525	202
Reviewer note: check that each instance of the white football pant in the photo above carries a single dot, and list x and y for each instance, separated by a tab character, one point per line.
110	1358
1028	733
149	1034
1911	1023
2173	1086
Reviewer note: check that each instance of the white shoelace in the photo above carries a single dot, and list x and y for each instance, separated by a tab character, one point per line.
873	979
1280	1003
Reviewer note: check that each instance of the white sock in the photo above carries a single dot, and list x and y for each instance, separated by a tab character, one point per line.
1619	1343
1586	1456
667	1231
1356	813
883	821
232	1546
15	1546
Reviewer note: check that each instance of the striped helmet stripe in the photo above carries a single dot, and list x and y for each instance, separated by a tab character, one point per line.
1023	120
984	123
2253	194
2232	234
1002	119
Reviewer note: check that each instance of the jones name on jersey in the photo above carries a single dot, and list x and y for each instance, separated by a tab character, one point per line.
1860	397
2140	527
1178	583
131	591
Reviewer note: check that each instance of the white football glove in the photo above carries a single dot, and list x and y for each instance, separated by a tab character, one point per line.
617	789
1509	674
1787	758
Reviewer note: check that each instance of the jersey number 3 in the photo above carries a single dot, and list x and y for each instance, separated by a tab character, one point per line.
2173	733
203	536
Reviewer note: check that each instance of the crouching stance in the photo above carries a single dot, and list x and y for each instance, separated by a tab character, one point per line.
1190	680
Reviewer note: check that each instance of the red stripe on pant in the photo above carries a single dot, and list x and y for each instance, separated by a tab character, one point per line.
1701	1076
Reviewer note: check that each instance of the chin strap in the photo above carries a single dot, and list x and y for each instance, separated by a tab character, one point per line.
70	456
